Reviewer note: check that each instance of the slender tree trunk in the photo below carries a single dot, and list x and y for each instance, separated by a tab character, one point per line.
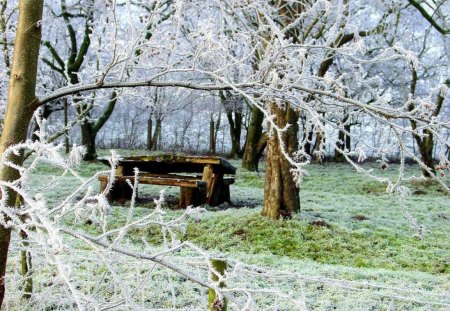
156	134
281	194
212	137
348	138
308	144
318	147
149	132
22	102
90	130
254	133
25	258
235	133
426	152
344	141
66	122
4	38
338	157
26	267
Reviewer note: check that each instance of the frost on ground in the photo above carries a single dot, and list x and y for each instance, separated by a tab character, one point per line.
88	255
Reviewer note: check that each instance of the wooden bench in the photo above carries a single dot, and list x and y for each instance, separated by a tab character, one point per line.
201	179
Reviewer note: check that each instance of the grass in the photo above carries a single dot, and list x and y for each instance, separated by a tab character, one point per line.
345	219
348	227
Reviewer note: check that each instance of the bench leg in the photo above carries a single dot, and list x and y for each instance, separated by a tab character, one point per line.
103	184
122	192
191	196
225	195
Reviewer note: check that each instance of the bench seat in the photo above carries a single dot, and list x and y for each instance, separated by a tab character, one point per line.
162	181
192	191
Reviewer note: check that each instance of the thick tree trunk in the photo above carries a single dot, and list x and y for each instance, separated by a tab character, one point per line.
251	155
281	194
22	102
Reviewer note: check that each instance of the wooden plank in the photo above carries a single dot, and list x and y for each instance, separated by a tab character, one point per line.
119	170
172	163
176	176
171	158
216	189
208	173
159	181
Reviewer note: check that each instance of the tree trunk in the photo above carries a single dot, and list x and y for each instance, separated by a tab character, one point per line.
344	141
235	133
90	130
308	144
426	153
318	147
66	122
88	136
254	134
348	138
149	132
26	267
22	102
338	156
156	135
281	194
212	137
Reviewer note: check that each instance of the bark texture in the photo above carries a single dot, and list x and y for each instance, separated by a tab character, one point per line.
235	123
212	137
281	194
425	138
254	139
22	102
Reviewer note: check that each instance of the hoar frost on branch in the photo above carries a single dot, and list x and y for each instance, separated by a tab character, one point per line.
87	257
215	46
274	54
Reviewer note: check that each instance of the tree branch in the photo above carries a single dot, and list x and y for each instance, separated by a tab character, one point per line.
429	18
106	113
56	56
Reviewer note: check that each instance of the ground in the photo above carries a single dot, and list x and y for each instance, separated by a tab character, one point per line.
349	230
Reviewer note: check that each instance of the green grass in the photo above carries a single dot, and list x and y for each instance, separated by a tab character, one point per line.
363	247
349	228
345	219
